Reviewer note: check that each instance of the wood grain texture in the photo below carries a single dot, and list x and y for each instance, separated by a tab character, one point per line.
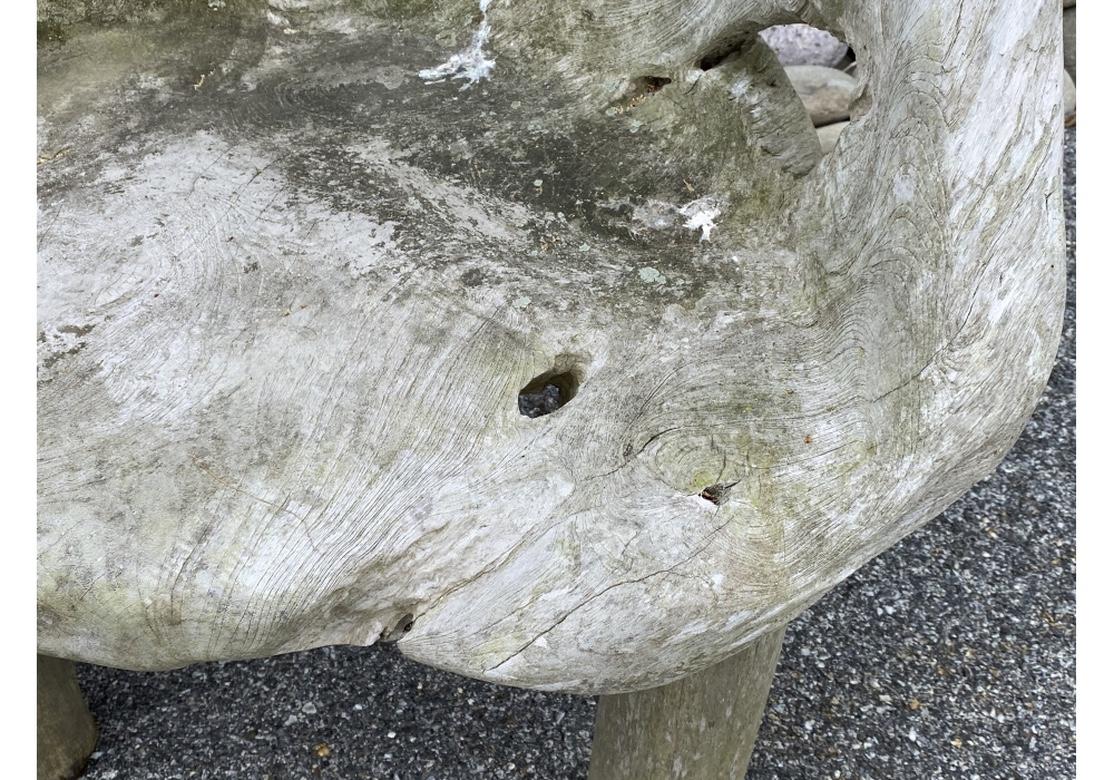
289	291
698	728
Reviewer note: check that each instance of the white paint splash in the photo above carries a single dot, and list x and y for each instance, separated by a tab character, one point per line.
471	63
700	214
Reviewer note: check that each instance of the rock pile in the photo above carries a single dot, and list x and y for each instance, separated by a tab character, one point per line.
822	70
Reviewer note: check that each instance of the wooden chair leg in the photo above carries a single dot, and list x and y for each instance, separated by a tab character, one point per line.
701	727
67	732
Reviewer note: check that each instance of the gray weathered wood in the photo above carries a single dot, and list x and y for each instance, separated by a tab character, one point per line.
702	727
296	264
66	731
1069	41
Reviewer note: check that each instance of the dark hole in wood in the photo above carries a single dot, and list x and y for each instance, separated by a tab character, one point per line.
547	393
710	61
640	89
404	624
648	85
715	493
715	56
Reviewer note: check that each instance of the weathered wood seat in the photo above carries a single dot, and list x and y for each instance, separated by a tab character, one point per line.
538	337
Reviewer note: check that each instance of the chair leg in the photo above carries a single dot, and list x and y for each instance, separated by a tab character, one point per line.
702	727
67	732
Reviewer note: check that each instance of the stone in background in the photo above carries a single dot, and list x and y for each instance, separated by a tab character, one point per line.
826	92
801	44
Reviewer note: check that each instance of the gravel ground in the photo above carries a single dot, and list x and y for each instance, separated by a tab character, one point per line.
951	655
